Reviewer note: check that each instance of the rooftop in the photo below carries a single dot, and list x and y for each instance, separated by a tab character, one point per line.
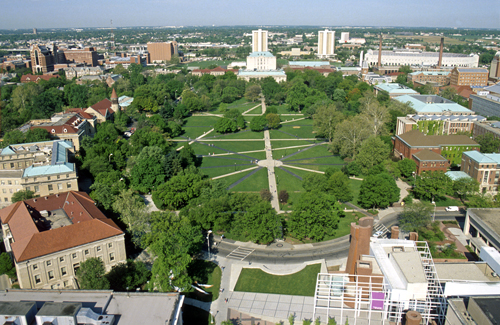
394	88
416	138
455	175
411	266
59	309
490	218
262	73
430	73
464	271
20	308
432	104
264	54
428	155
472	70
309	63
483	158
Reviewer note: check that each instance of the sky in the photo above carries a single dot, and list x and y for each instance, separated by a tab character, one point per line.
29	14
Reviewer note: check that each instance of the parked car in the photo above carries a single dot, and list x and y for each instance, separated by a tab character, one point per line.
452	209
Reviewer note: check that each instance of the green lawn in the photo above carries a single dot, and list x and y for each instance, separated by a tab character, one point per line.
241	105
256	110
277	144
298	122
293	197
237	146
217	161
201	149
201	121
344	226
254	183
304	131
355	185
317	151
448	202
288	182
246	134
302	283
205	272
233	178
205	64
213	172
194	132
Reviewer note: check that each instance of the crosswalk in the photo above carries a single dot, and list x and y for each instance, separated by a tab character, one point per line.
240	253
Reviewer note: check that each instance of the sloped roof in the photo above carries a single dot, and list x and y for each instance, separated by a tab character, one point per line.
489	158
428	155
103	106
89	224
80	111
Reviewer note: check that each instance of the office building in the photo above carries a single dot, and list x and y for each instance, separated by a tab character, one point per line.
495	68
469	77
438	124
162	51
259	40
483	167
43	58
434	105
401	57
326	43
42	167
50	236
394	90
418	78
486	102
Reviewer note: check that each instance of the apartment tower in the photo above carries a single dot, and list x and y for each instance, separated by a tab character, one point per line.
326	43
259	40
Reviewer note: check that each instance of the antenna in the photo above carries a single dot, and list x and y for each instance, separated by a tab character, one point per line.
112	36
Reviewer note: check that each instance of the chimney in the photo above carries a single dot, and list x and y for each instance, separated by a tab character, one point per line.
413	317
380	53
360	242
394	232
361	59
440	62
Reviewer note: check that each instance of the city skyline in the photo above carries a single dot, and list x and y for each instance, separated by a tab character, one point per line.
93	13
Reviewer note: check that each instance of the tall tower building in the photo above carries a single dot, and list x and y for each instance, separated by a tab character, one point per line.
259	40
326	43
495	67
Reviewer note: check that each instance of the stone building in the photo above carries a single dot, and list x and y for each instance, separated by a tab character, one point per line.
483	167
41	167
49	237
162	51
469	77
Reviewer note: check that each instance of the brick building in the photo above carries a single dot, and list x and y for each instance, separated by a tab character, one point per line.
42	167
219	71
447	148
36	78
45	59
469	77
87	56
162	51
50	236
42	58
423	77
483	167
438	124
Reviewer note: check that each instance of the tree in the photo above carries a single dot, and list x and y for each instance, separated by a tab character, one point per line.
173	241
273	120
225	125
407	167
349	135
465	186
266	195
283	196
187	156
374	114
415	215
489	143
326	119
149	171
37	135
258	123
253	92
378	191
91	275
6	265
315	216
22	195
132	211
314	181
430	185
259	223
372	152
128	276
338	185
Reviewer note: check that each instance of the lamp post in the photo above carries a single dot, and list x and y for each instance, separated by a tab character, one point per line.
109	157
208	242
434	214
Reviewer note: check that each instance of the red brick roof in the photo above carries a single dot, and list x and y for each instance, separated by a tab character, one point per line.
221	69
31	241
70	126
81	112
103	107
35	78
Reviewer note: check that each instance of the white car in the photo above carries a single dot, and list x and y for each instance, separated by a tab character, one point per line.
452	209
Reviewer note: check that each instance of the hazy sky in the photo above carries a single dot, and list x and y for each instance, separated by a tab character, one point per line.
98	13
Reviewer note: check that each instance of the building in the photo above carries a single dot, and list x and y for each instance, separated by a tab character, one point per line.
344	37
43	58
394	90
105	109
260	61
41	167
434	105
326	43
482	225
278	75
450	147
64	126
77	72
259	40
400	57
296	51
469	77
97	307
50	236
438	124
475	310
87	56
36	78
113	61
483	167
162	51
485	127
423	77
415	47
495	68
324	71
219	71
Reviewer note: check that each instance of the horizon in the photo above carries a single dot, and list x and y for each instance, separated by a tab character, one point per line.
49	14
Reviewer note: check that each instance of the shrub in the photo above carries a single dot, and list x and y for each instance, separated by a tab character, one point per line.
283	196
266	195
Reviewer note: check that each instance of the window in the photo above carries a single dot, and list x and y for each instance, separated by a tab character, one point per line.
59	186
110	245
98	248
50	274
58	176
11	165
37	279
63	271
48	178
112	256
61	259
50	187
49	263
68	185
86	252
35	266
9	182
28	188
4	190
74	255
66	283
6	199
37	188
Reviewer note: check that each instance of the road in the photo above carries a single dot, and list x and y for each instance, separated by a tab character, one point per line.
329	250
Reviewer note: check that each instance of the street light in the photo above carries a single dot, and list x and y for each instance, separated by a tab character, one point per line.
434	215
109	157
208	242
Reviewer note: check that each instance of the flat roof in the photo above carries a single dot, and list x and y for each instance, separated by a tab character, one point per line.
59	309
491	217
428	104
489	307
462	271
455	175
394	88
10	308
411	266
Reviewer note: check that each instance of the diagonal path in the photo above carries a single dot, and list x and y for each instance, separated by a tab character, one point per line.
295	153
243	178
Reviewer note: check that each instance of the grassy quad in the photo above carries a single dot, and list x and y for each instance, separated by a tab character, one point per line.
302	283
254	183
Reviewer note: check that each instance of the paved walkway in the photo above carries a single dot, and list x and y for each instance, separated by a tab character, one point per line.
251	109
270	163
200	137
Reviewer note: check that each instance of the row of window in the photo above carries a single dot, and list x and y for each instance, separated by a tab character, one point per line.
9	183
19	165
74	256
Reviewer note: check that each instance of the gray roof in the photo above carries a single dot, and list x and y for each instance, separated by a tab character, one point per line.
59	309
265	54
476	70
18	308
